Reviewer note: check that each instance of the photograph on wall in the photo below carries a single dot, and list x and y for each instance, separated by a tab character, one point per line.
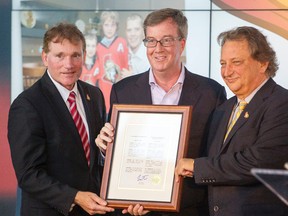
114	42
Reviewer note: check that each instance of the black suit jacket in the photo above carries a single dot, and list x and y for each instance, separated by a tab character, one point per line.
46	148
203	94
258	139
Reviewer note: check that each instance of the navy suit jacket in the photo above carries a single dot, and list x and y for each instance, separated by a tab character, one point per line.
202	93
258	139
47	151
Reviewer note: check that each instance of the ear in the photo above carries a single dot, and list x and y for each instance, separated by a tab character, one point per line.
44	59
263	67
183	43
84	57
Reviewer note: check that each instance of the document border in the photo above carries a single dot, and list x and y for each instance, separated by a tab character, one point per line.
174	204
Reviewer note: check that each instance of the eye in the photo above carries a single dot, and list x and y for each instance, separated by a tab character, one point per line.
167	40
237	62
151	40
223	64
77	56
60	56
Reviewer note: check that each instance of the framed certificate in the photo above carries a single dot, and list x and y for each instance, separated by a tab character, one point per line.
139	165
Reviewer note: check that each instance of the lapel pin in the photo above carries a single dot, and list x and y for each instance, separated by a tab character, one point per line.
246	115
88	97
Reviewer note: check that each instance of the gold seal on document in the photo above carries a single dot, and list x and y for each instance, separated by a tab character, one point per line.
156	179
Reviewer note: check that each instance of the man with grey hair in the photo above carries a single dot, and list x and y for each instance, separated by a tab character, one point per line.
247	131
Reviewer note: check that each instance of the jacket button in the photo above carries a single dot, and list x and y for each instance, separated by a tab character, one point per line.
216	208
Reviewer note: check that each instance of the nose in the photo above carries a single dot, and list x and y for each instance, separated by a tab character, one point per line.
227	70
68	63
133	32
158	46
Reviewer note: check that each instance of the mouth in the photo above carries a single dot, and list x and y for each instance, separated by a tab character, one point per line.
160	58
230	80
68	73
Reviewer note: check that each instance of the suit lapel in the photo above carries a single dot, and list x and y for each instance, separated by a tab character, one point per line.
142	93
224	123
241	120
86	100
190	93
61	111
250	109
58	105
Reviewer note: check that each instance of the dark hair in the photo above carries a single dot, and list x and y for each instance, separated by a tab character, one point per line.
63	31
259	46
161	15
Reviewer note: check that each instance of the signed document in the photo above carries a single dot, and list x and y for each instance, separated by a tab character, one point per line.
144	155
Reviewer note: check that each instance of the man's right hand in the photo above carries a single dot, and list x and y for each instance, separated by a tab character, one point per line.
105	137
91	203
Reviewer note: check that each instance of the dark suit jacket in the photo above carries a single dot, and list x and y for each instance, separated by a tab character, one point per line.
202	93
46	148
258	139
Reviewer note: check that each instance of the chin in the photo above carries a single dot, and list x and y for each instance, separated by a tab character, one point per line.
234	90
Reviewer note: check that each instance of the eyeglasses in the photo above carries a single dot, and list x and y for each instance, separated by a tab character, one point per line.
165	42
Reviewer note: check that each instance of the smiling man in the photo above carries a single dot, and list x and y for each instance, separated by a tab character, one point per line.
138	62
168	82
247	131
51	131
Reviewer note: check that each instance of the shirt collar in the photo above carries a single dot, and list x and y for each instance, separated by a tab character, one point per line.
62	90
249	97
180	80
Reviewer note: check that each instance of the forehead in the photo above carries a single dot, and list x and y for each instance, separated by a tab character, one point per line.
66	45
235	48
133	23
165	28
91	40
110	21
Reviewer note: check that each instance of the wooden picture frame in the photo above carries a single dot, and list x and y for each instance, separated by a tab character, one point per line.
139	165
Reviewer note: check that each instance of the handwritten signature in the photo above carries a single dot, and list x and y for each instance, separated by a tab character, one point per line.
142	177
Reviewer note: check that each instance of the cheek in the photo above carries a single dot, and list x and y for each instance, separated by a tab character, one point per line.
79	64
53	64
50	63
114	29
139	35
149	52
105	29
222	72
176	53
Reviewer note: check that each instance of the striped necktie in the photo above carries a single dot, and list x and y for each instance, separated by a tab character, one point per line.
79	124
242	105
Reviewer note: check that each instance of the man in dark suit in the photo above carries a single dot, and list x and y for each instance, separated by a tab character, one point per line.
258	139
168	82
56	175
